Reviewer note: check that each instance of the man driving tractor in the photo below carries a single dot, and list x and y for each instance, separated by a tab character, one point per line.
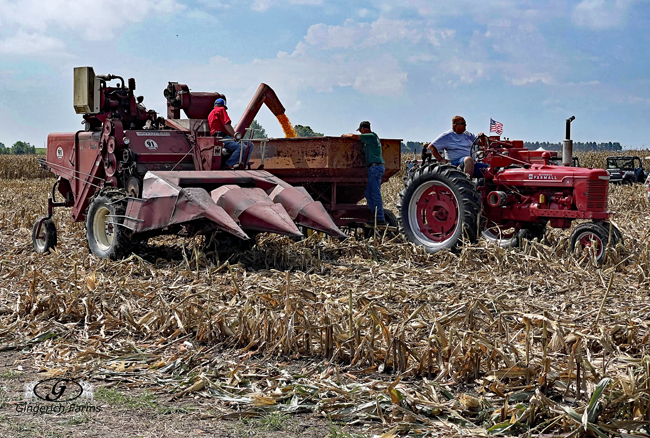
458	144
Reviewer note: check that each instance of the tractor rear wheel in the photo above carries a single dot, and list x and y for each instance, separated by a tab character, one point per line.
439	207
45	238
587	236
107	237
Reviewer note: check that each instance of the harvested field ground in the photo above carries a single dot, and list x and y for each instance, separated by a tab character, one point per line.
327	338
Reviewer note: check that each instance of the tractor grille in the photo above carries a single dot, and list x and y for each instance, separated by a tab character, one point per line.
597	195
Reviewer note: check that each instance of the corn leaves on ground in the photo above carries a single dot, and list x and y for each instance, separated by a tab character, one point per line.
488	341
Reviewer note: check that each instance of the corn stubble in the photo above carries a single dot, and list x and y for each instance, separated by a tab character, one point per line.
489	340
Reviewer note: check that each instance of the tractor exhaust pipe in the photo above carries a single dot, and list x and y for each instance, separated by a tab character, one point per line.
567	144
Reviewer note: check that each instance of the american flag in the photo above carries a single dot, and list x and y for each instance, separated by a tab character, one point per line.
496	127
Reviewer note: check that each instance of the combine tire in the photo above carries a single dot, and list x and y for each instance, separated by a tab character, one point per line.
439	207
45	238
587	235
107	238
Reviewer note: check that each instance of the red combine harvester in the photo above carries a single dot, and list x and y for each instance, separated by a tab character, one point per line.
520	194
131	175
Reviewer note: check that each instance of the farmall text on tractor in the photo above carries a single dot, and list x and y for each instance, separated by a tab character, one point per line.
131	175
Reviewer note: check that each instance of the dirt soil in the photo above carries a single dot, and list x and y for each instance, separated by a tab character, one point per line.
134	412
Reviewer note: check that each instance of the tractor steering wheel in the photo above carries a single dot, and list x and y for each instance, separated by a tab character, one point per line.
478	149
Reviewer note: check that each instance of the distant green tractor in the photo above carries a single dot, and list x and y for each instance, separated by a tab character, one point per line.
625	170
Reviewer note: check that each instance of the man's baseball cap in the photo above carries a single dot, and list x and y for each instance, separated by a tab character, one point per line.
220	102
364	124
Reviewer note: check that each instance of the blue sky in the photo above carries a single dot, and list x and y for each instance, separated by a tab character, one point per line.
407	66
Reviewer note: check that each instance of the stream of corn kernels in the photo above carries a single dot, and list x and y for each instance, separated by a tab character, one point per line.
286	126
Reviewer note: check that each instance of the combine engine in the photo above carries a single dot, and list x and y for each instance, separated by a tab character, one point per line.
131	175
518	197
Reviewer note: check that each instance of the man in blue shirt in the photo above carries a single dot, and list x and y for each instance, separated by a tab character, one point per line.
458	144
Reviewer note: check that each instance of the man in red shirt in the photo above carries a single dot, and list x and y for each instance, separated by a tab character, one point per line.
221	126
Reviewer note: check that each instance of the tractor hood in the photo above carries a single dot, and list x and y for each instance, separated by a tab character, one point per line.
549	176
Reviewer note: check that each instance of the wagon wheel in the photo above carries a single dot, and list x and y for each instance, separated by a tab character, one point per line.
589	237
439	207
44	235
107	237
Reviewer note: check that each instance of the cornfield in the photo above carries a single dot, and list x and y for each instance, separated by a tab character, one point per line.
21	166
528	340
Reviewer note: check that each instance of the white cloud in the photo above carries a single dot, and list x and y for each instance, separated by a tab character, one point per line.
384	78
199	15
215	4
601	14
93	23
525	79
420	58
291	74
329	37
384	30
263	5
635	100
30	44
438	36
467	71
362	35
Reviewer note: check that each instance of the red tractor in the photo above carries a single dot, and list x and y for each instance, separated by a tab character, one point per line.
518	197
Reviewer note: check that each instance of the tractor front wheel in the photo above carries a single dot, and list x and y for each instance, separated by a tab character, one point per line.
107	237
615	237
439	207
590	238
44	235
